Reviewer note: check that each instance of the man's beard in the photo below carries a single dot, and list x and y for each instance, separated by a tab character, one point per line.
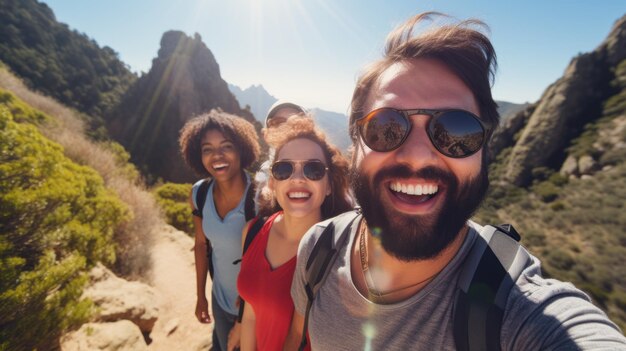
418	237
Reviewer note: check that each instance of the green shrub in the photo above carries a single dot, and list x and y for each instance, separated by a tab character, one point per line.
615	104
541	173
174	201
557	206
56	221
20	111
546	191
122	158
619	298
533	237
560	259
558	179
613	157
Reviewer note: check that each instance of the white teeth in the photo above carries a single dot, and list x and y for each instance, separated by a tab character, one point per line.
220	165
298	195
411	189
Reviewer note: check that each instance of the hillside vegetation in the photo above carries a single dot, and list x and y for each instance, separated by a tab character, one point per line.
60	62
574	218
56	220
173	199
66	203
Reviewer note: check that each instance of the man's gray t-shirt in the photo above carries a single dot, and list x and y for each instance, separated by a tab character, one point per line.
540	313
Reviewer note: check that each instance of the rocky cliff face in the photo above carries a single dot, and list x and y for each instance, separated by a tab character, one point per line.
184	81
566	107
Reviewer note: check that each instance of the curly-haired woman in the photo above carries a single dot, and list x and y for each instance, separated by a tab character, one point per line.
308	184
220	146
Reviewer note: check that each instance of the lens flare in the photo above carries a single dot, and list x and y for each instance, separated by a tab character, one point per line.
376	231
369	332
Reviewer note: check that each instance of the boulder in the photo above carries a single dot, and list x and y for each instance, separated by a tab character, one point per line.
570	166
587	165
116	336
118	299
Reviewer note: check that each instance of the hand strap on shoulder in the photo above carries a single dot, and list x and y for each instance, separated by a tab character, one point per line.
493	265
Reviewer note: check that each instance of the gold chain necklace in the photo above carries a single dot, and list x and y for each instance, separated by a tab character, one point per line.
369	282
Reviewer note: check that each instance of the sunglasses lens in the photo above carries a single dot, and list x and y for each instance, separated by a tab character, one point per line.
456	134
384	129
314	170
282	170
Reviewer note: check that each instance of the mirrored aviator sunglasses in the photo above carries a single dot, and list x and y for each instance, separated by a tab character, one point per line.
312	169
454	133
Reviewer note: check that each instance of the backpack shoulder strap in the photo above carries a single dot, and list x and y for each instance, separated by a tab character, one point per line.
249	211
201	194
254	229
493	265
322	257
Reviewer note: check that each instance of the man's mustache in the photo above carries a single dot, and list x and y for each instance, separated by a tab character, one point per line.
426	173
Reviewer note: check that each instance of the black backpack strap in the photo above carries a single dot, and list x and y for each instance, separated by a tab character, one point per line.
201	194
255	228
493	265
249	212
322	257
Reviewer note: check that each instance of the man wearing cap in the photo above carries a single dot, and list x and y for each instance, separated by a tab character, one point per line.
278	113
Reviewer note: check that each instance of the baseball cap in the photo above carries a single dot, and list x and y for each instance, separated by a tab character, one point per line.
282	104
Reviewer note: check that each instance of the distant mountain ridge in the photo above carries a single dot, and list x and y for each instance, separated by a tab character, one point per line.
256	97
335	124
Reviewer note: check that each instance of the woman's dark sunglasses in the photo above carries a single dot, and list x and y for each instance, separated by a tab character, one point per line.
312	169
455	133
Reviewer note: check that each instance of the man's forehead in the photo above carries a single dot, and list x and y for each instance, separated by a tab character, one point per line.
420	83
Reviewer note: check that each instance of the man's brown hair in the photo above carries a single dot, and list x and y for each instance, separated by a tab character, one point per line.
466	51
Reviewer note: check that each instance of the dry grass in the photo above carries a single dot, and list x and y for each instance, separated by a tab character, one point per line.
135	237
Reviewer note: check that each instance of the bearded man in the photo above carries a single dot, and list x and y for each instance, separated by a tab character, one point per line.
420	121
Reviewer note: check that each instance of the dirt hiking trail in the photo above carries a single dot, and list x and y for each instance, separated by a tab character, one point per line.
174	277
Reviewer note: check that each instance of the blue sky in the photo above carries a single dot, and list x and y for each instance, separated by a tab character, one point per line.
311	51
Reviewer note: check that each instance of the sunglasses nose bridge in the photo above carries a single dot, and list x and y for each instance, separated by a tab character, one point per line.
417	144
298	172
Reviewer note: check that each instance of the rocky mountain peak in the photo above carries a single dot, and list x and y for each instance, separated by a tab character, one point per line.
184	81
615	43
566	106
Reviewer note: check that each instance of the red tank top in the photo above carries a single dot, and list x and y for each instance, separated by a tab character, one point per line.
268	291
